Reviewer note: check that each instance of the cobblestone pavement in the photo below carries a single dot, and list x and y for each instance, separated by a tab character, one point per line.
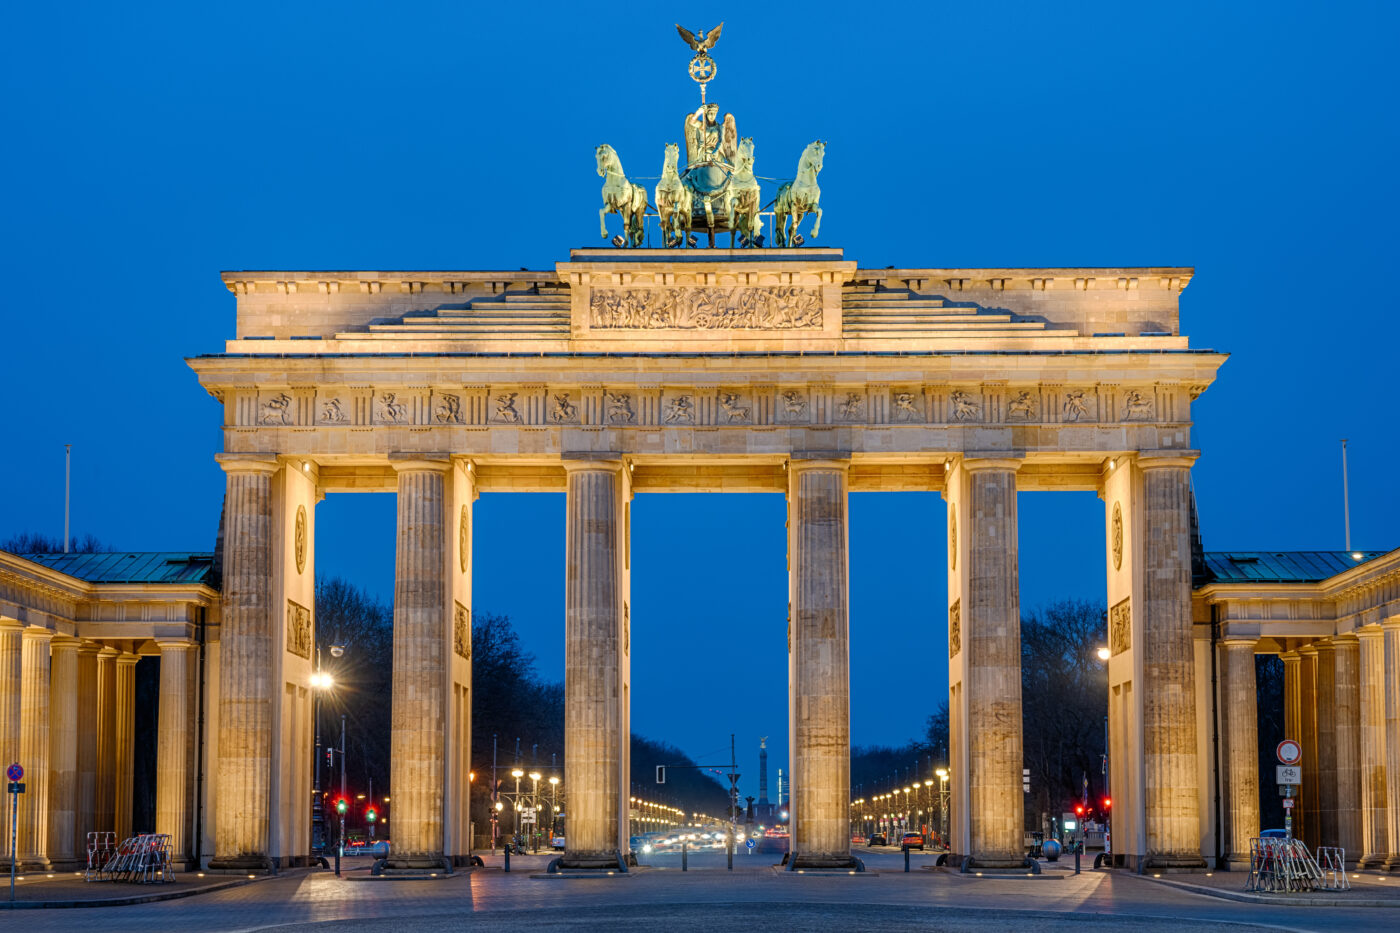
677	902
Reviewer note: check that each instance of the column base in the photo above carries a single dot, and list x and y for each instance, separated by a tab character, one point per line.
33	864
420	861
1168	863
803	862
1374	860
67	864
1235	863
596	861
241	863
1392	863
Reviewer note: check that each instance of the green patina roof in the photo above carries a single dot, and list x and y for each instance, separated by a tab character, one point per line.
1280	566
132	566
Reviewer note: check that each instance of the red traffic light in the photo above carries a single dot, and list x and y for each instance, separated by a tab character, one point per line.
1078	810
1107	803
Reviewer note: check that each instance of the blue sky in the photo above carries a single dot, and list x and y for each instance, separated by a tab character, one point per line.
150	146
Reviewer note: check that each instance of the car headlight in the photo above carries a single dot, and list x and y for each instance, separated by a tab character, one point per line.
646	848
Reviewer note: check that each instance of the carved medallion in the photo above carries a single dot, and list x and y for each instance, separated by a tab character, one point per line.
299	539
464	540
954	629
704	308
1117	536
1120	627
462	631
298	630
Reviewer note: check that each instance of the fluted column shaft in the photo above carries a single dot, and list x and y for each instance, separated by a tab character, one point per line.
593	743
31	848
1241	734
11	680
1328	825
63	752
1371	689
421	619
124	744
821	678
1310	798
1392	741
1168	665
246	683
105	818
991	636
86	818
1348	710
172	735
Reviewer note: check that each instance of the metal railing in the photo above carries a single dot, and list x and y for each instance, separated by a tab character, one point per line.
142	859
1286	866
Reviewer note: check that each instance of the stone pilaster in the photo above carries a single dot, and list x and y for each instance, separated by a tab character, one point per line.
31	850
124	743
11	680
1239	708
1172	810
1392	741
87	748
1348	710
106	809
63	753
1374	841
991	637
1309	795
246	674
172	736
820	705
421	644
593	647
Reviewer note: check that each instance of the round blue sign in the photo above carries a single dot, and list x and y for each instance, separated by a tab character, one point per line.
14	772
749	843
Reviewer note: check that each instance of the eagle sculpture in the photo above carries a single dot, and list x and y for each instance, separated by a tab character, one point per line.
705	42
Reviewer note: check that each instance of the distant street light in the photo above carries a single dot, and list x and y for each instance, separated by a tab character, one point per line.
1104	654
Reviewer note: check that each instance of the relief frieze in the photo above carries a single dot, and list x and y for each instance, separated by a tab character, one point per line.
298	630
706	308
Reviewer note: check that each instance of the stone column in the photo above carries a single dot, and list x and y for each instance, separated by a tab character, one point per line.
1292	695
87	748
1392	741
593	743
1168	666
421	620
106	807
1239	707
11	679
172	735
124	743
1328	829
31	848
1348	708
991	637
1309	797
820	686
63	752
247	686
1374	841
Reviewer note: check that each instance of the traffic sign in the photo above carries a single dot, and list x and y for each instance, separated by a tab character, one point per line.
1288	803
14	772
749	843
15	788
1289	774
1289	752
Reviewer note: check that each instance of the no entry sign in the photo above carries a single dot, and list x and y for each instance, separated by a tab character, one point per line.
1289	752
14	772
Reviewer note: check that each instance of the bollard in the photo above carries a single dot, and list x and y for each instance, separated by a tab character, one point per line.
906	858
683	858
1077	850
729	849
506	853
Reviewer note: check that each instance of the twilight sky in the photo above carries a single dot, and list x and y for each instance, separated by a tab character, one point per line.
149	146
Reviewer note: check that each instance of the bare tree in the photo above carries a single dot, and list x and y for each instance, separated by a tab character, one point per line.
29	542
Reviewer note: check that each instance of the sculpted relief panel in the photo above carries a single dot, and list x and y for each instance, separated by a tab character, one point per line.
738	308
298	630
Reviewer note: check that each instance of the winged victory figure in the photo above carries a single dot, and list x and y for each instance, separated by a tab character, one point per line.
706	40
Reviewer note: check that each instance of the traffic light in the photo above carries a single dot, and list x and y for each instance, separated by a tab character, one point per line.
370	815
341	806
1107	804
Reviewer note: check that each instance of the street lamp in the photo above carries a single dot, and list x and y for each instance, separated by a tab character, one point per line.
1104	654
943	801
321	681
553	805
517	774
535	808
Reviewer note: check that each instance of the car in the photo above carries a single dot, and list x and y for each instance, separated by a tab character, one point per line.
556	842
912	841
1274	834
877	839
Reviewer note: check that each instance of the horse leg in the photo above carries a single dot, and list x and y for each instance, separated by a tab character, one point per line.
817	227
603	224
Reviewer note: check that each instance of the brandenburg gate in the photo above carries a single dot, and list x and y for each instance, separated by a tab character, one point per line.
627	371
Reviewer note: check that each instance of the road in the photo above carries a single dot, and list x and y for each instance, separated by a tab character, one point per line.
704	898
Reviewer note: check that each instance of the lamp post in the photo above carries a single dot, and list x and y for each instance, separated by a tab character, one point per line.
1104	655
320	683
535	810
943	803
517	774
553	805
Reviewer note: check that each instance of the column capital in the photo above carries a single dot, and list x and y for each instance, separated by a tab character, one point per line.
591	463
17	624
1350	638
1370	631
1392	623
171	644
1167	459
1308	651
106	652
828	464
126	658
89	647
65	643
973	463
427	461
35	633
1290	657
248	463
1240	641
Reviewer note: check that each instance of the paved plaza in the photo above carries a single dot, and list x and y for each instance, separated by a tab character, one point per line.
753	896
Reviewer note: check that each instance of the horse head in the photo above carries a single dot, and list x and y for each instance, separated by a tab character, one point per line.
673	154
743	159
606	158
813	154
